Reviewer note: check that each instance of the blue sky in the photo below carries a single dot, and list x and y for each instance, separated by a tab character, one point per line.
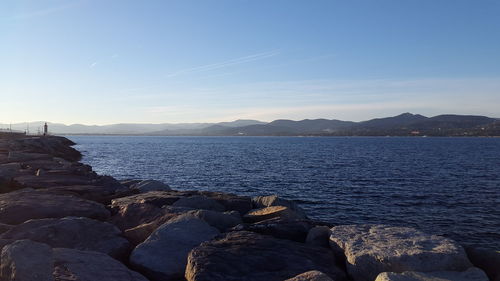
114	61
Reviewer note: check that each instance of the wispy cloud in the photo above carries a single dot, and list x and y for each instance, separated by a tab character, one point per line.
95	63
223	64
43	11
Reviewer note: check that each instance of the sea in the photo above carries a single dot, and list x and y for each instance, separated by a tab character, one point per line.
444	186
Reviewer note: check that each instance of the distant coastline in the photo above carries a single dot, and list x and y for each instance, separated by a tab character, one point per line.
405	124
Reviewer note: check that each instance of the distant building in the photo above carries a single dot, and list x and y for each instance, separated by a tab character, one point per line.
45	129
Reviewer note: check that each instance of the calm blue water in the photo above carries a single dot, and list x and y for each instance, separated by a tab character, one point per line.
446	186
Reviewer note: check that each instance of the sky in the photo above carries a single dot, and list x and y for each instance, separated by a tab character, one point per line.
172	61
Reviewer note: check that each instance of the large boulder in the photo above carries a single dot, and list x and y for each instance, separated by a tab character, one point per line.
73	232
471	274
22	205
487	260
132	215
274	200
372	249
25	260
219	220
266	213
199	202
71	264
150	185
319	236
295	230
249	256
163	255
312	275
138	234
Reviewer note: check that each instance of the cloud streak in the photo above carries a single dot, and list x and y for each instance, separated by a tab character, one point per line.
42	12
224	64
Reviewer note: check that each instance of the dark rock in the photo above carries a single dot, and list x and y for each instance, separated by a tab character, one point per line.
231	202
22	205
487	260
25	260
163	255
100	194
295	230
319	236
246	256
74	233
71	264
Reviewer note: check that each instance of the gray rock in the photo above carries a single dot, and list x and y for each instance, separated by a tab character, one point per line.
71	264
72	232
163	255
373	249
199	202
274	200
266	213
150	185
246	256
312	275
471	274
25	260
22	205
319	236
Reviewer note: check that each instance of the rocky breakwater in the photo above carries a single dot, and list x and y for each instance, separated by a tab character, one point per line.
61	221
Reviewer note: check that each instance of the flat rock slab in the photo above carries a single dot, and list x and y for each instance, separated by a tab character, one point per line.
163	255
74	233
71	264
373	249
266	213
22	205
249	256
155	198
472	274
274	200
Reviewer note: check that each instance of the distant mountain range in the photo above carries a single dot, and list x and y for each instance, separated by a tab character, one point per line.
406	124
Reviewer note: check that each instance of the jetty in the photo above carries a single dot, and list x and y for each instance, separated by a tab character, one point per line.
61	221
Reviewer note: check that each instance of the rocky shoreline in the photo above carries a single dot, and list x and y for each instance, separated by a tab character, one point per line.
59	220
